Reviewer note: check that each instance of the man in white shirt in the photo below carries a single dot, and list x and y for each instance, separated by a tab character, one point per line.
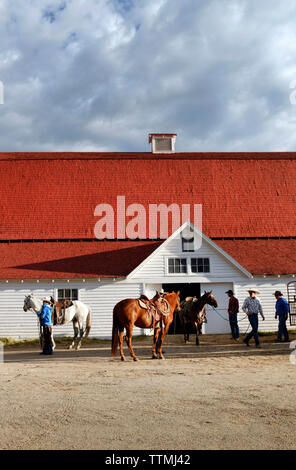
252	307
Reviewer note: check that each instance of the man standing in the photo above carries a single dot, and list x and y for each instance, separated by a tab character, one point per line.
282	309
233	308
46	323
252	307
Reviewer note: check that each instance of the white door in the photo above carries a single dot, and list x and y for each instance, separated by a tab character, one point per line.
217	323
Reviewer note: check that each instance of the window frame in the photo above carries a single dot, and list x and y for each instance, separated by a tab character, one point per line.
186	240
198	265
189	271
174	258
67	288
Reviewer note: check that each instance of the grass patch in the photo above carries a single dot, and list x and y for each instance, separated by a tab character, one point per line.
10	342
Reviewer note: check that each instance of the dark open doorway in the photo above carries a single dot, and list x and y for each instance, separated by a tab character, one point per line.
186	290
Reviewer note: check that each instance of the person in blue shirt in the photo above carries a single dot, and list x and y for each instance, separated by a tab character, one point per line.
282	309
45	316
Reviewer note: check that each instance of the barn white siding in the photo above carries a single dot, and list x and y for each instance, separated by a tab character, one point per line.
266	287
100	296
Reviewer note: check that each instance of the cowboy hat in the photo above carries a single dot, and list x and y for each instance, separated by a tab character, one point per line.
229	292
46	299
278	292
254	290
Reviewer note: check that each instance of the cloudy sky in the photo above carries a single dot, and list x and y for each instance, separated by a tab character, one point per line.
100	75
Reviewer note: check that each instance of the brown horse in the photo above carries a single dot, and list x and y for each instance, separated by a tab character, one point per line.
192	312
128	313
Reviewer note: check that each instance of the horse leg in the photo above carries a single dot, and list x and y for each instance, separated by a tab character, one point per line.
164	332
81	330
197	338
155	339
129	333
186	334
52	341
120	338
75	327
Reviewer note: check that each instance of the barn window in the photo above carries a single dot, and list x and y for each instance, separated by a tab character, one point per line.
68	294
187	244
200	265
177	265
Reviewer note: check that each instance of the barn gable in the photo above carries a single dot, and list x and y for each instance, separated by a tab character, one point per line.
221	264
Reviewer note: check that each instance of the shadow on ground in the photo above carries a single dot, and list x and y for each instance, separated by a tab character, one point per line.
211	346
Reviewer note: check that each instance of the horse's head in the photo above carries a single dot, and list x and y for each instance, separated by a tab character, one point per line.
173	299
30	303
27	303
198	313
210	299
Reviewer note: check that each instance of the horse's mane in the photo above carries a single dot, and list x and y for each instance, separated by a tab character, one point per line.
200	303
170	295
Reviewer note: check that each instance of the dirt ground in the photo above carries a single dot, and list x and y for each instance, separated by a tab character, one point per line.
220	395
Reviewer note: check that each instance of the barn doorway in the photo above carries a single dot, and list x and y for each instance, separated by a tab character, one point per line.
186	290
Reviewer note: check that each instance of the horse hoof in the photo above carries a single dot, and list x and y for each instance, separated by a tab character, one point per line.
161	357
154	357
123	358
70	347
135	359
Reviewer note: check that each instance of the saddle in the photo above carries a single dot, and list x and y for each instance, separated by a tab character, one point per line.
157	307
58	311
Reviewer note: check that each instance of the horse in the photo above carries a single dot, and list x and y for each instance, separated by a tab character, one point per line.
128	313
192	312
74	311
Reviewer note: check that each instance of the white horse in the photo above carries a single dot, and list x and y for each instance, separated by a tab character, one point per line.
78	313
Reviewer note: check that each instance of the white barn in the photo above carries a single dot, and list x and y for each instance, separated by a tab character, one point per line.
48	247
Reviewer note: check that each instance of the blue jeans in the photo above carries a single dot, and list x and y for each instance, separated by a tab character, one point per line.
253	319
282	329
233	325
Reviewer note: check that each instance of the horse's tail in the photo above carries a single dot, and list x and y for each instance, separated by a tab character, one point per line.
88	323
115	332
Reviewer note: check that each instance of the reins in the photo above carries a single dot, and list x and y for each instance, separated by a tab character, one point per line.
227	319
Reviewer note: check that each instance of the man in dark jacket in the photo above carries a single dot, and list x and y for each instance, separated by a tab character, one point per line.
233	308
282	309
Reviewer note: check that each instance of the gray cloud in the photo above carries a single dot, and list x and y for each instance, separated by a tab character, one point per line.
100	75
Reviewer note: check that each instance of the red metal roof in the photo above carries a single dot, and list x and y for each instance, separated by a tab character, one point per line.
62	260
53	196
68	260
276	256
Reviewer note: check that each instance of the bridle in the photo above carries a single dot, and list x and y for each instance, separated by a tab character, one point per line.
28	304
